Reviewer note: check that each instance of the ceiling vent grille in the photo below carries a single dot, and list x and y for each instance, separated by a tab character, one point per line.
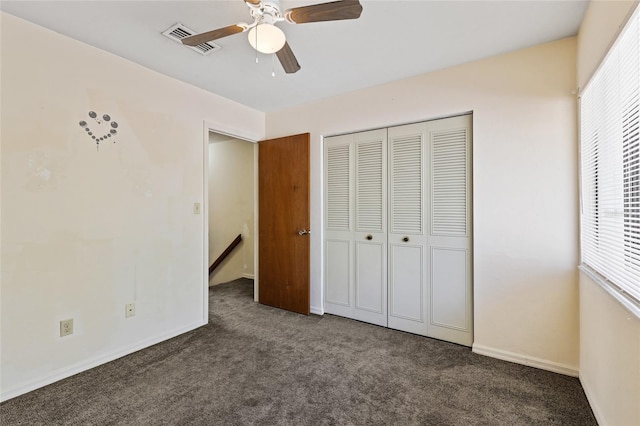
178	31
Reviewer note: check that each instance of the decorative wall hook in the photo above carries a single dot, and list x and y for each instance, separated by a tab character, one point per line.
100	133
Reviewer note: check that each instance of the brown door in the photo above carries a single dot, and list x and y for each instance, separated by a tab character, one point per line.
283	246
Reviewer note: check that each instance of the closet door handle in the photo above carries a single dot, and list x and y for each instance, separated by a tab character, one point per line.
405	239
369	237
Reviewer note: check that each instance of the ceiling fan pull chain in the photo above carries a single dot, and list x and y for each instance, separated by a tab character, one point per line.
273	65
256	45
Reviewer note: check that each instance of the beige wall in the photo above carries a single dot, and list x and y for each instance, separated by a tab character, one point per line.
525	188
231	207
609	356
609	333
84	231
602	22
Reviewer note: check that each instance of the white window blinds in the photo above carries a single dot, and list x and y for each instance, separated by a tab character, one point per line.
610	157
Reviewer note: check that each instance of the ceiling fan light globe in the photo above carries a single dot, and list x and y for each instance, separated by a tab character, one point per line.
270	38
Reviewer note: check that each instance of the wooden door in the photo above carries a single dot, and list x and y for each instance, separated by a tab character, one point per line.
283	240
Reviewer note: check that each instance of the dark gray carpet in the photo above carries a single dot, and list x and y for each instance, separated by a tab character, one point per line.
258	365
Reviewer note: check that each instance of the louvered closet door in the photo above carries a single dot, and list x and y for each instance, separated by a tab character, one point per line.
449	241
370	237
398	228
356	226
339	225
408	292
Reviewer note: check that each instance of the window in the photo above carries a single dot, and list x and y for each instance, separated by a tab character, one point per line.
610	168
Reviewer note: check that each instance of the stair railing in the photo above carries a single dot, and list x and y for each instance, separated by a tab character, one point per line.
225	253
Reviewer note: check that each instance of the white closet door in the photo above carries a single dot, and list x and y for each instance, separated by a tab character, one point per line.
408	292
339	226
370	237
449	241
398	228
356	226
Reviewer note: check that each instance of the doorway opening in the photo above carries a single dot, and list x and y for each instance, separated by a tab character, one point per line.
231	207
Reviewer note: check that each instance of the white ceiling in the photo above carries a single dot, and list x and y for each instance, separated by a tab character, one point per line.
391	40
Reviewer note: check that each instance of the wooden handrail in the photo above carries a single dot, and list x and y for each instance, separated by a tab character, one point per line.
225	253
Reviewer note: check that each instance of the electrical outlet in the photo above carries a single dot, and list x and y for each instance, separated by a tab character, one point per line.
66	327
129	310
196	208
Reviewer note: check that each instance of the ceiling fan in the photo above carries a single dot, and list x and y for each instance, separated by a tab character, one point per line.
265	37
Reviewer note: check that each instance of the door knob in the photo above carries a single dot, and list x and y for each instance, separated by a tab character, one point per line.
304	232
405	239
369	237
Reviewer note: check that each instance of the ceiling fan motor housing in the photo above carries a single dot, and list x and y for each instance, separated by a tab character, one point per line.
265	13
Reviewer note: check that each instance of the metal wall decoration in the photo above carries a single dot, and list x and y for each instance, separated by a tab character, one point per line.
96	134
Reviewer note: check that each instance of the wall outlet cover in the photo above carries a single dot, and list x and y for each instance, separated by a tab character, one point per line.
129	310
66	327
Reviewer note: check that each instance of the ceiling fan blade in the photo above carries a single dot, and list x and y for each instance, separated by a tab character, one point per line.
253	2
288	59
197	39
332	11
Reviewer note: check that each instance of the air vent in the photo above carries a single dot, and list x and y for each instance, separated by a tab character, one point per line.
178	31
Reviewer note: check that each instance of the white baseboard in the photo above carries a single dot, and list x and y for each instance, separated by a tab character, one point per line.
316	310
540	363
250	276
74	369
595	408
